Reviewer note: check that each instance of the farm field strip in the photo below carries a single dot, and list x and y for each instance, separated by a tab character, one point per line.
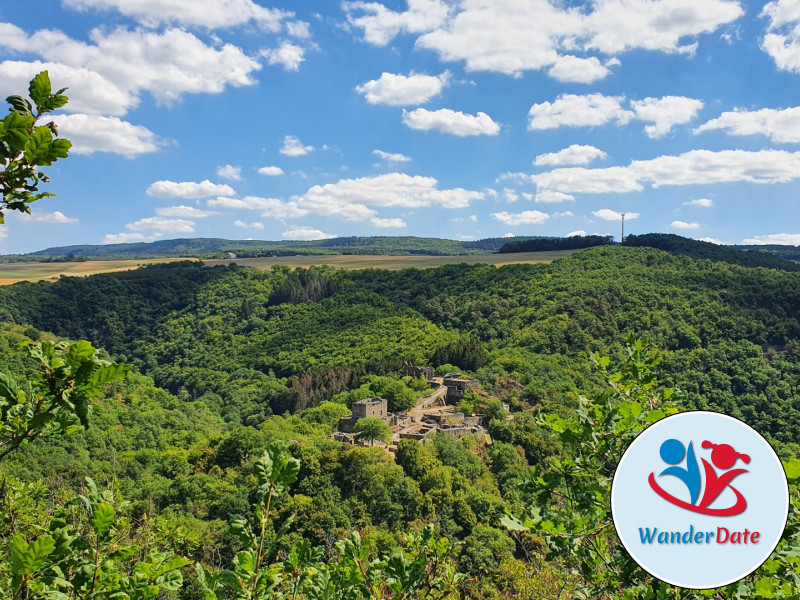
16	272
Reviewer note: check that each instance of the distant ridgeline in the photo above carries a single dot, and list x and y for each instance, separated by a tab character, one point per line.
221	248
746	256
545	244
771	257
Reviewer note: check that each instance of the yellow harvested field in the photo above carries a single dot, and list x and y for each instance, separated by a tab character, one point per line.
15	272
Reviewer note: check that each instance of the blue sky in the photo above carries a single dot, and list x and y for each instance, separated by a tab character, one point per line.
470	119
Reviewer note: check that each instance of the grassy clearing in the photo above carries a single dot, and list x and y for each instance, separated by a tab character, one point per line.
14	272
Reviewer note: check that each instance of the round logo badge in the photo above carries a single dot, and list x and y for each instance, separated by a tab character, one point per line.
700	500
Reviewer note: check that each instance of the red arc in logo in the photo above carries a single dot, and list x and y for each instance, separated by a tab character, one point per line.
723	456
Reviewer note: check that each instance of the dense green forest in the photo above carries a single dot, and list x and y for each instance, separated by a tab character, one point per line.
296	338
573	242
229	361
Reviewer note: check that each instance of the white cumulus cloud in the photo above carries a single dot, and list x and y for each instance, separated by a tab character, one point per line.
685	225
306	234
270	207
575	154
89	92
527	217
403	90
451	121
93	133
126	238
782	126
162	224
185	212
394	157
696	167
398	223
381	24
209	14
352	199
290	56
782	41
189	189
271	171
664	113
700	202
45	217
611	215
292	146
783	239
244	225
573	69
167	64
594	110
619	25
298	29
230	172
580	180
550	196
514	36
572	110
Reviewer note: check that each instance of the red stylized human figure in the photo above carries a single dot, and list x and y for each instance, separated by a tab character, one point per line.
724	457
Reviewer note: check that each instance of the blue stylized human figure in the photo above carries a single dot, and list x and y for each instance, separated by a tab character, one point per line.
672	452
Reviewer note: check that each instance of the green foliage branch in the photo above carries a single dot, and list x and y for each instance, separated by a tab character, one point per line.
90	551
571	494
58	401
423	570
25	146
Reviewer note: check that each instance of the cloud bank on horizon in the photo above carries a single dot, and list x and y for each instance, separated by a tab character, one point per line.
481	118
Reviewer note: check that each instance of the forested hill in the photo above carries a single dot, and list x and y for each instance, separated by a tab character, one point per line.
252	343
771	257
219	248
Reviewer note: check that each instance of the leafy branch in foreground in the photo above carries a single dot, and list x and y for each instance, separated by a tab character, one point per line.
423	570
571	495
24	145
89	551
58	401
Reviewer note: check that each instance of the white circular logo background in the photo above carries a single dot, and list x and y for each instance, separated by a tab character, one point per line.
699	500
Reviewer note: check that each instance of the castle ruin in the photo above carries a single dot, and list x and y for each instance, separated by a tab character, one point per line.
411	370
369	408
457	386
